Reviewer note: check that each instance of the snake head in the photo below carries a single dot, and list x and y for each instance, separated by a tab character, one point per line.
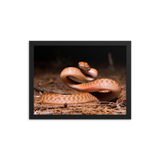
84	66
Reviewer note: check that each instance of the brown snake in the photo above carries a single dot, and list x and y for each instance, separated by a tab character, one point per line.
100	89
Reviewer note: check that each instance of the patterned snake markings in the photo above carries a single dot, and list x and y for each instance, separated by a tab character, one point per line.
97	88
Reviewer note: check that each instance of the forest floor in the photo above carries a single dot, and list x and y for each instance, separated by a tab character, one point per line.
48	81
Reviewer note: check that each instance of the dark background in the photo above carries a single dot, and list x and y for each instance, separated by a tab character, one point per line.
64	56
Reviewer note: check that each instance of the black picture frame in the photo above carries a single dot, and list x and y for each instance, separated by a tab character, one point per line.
32	44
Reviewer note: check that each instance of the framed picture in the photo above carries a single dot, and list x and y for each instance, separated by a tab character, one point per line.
79	79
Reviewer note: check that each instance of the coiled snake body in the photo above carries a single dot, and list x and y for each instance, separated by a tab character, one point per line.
100	89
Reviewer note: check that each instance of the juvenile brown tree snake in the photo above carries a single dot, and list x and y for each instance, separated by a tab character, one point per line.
95	90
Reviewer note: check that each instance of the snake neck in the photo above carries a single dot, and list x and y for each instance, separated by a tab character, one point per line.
93	73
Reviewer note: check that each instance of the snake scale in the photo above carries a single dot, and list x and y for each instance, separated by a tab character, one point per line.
95	90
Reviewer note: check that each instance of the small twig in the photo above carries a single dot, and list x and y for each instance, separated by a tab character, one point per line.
110	61
51	91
